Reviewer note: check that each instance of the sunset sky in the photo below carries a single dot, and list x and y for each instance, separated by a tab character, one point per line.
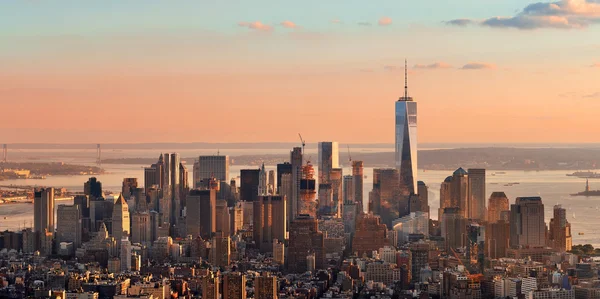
256	71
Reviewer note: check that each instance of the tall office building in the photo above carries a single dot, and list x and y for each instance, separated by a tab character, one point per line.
349	190
454	228
43	210
357	183
129	184
337	188
222	214
454	193
445	197
285	190
527	226
83	201
328	159
184	186
171	187
279	219
141	228
307	201
296	161
269	221
68	226
93	188
406	140
560	230
265	286
419	259
271	186
497	238
125	254
282	169
250	180
325	200
386	197
497	203
151	177
234	285
477	194
423	196
201	213
120	219
211	167
263	181
305	239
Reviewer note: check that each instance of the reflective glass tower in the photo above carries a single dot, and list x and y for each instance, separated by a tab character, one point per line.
406	139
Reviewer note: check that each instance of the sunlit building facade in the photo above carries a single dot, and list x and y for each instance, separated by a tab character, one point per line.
406	142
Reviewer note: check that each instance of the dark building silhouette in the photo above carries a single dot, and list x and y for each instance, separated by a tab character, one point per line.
250	179
93	188
43	210
201	218
281	170
305	239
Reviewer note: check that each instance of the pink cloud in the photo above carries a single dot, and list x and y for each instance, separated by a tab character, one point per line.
384	21
597	64
288	24
257	25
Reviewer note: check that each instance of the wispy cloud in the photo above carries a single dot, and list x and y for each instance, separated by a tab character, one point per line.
336	21
390	68
595	95
364	23
478	66
288	24
562	14
597	64
257	25
433	66
459	22
384	21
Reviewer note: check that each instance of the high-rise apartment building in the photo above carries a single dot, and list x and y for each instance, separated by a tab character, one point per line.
120	220
265	287
269	221
211	167
497	238
210	286
220	250
201	213
328	159
305	239
477	194
370	234
250	180
43	210
68	226
527	226
406	141
234	285
560	230
497	203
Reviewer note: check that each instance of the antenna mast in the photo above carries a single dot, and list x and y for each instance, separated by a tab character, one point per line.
405	80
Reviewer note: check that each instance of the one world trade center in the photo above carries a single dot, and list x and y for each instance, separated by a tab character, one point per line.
406	140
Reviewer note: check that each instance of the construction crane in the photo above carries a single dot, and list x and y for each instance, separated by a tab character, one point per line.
303	145
349	156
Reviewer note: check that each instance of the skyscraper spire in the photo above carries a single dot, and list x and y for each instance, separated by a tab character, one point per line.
405	79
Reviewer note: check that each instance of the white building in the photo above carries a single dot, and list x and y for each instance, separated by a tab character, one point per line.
415	223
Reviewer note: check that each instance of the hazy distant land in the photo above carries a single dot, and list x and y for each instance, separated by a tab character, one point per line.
495	158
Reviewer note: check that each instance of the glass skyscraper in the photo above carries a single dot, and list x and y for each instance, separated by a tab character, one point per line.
406	141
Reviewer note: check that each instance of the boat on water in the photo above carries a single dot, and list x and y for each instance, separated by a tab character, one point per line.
581	234
587	191
585	174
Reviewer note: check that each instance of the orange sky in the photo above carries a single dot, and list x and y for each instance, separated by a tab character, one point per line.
226	82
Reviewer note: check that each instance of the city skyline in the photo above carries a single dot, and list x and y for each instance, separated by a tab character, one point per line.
349	54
